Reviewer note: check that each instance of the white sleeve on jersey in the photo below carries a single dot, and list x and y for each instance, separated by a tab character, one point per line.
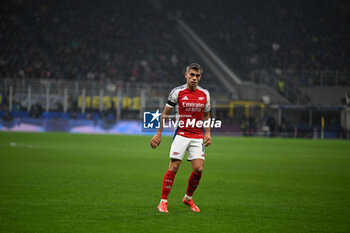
173	96
207	106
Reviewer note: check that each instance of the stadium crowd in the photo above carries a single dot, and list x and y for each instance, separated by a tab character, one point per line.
20	56
273	36
128	41
137	41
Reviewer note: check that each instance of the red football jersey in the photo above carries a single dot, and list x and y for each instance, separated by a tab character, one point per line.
189	106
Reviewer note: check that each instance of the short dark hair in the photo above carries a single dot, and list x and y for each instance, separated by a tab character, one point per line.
194	66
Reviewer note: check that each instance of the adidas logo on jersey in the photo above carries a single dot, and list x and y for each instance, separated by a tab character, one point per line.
185	98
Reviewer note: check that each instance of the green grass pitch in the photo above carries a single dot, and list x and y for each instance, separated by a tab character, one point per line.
56	182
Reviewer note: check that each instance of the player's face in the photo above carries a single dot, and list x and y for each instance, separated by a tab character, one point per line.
193	77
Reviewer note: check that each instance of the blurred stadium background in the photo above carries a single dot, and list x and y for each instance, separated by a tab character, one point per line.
273	68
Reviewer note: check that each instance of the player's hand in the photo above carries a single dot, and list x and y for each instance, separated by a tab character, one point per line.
207	139
156	140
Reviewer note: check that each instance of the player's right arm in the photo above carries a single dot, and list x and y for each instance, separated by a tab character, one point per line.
158	136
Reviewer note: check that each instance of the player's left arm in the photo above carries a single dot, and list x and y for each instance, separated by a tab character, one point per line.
206	116
207	137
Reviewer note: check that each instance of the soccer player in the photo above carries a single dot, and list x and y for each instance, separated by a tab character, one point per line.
192	103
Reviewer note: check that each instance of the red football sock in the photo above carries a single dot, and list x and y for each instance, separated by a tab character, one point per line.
193	182
167	184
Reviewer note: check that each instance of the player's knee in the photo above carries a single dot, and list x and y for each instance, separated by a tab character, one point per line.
198	170
173	168
174	165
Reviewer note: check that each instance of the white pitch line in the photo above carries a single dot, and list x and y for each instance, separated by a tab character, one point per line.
13	144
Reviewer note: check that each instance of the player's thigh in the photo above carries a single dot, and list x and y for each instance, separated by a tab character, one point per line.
179	147
196	149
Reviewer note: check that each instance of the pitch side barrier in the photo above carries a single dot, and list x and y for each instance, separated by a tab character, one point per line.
238	118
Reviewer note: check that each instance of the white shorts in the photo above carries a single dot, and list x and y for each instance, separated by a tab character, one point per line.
193	146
